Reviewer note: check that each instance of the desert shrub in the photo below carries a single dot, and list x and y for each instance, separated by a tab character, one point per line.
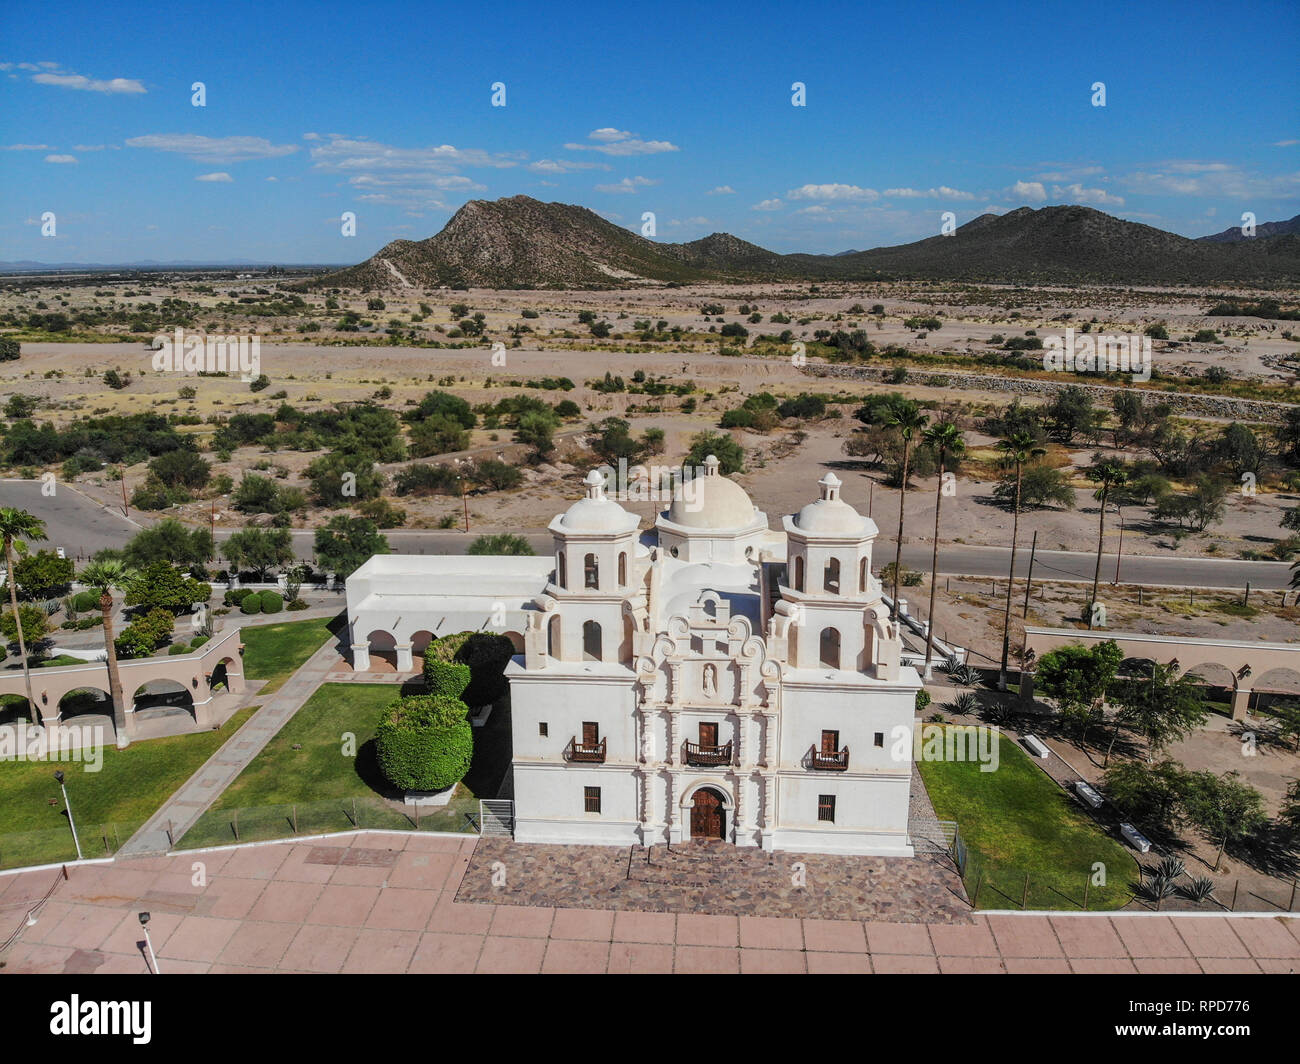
424	742
236	596
297	604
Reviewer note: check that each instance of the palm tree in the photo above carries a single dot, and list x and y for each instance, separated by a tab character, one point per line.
107	577
905	415
1110	475
1017	448
945	439
19	525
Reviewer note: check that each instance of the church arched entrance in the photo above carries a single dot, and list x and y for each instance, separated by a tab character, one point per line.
708	815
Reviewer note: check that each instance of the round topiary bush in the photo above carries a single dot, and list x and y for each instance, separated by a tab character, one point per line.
198	641
272	601
85	600
177	648
424	742
251	604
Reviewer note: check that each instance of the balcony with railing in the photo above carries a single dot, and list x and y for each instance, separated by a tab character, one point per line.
829	760
697	754
577	751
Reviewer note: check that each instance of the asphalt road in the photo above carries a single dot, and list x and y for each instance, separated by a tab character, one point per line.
81	526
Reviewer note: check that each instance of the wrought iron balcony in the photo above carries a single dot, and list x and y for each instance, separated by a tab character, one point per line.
695	754
577	751
829	760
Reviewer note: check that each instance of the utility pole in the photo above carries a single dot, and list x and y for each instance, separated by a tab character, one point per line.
1029	580
1119	554
464	498
126	511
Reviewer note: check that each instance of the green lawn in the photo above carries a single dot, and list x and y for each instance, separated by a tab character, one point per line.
321	786
108	805
1016	821
273	652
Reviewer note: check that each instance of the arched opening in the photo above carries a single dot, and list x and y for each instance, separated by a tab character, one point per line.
862	576
798	573
156	699
383	651
220	678
829	649
591	641
625	648
562	570
1279	684
831	577
420	643
622	568
591	572
1218	682
14	709
708	814
516	641
88	705
553	636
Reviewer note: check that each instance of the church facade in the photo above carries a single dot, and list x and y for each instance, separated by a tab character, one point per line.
709	678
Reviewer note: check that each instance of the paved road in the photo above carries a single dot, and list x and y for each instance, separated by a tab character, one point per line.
82	526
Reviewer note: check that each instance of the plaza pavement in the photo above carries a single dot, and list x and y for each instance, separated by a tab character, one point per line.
385	902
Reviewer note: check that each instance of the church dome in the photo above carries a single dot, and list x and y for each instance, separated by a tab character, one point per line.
830	515
712	501
597	512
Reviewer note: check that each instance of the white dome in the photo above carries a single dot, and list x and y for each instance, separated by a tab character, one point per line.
712	501
597	513
830	515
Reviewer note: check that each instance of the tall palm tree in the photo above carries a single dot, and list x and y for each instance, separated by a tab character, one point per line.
19	525
1110	475
1017	448
905	415
945	438
107	577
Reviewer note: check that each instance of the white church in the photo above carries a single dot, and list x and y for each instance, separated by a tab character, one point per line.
712	678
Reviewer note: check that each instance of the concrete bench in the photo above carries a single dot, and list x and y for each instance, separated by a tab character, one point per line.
1088	793
1135	838
1035	746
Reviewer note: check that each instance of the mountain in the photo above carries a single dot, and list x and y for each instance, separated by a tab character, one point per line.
1233	235
521	242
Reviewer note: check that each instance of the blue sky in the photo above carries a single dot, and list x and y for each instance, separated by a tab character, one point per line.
384	109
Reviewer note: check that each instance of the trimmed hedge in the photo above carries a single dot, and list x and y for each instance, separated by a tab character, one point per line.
177	648
84	601
251	604
198	641
424	742
469	666
272	602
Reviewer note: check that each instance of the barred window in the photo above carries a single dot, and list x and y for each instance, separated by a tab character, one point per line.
826	807
591	799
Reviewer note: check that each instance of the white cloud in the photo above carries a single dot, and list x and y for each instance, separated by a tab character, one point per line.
721	190
1286	143
611	141
1076	193
115	86
767	205
564	166
60	158
1032	191
27	147
341	153
942	192
221	178
628	184
843	193
213	149
1190	177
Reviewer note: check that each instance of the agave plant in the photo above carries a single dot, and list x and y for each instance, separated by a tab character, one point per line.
1158	887
70	608
965	704
1201	888
1170	867
51	607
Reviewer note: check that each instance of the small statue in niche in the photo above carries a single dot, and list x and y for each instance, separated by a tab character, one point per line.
710	681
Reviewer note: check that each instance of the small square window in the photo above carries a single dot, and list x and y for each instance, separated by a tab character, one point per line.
880	738
826	807
543	728
591	799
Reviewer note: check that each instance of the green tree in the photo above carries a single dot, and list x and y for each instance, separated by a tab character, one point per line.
19	526
10	349
501	543
43	575
258	550
1150	795
106	577
945	439
536	429
1079	677
169	541
424	742
1016	449
906	419
438	434
1224	807
181	468
346	543
160	585
31	627
1162	708
1108	475
730	455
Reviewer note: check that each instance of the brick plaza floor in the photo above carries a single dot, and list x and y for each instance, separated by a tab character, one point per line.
387	903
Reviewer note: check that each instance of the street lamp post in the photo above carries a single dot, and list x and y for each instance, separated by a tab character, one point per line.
144	923
58	775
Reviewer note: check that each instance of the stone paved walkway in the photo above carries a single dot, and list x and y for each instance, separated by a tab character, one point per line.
188	802
718	879
387	903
